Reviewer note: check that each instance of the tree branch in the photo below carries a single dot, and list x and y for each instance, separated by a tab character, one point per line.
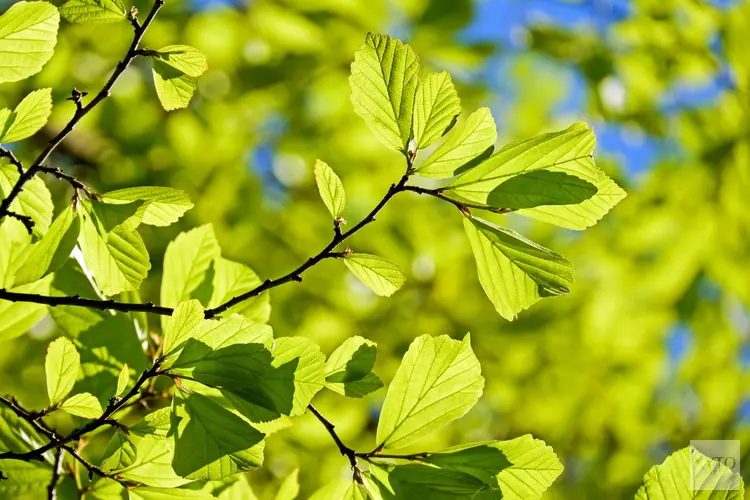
75	183
7	153
461	205
75	300
345	450
56	471
81	111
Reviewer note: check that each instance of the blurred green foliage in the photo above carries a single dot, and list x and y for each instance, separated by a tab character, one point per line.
591	373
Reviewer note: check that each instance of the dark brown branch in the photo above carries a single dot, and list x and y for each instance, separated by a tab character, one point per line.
75	183
344	449
56	471
115	404
81	110
75	300
461	205
27	221
7	153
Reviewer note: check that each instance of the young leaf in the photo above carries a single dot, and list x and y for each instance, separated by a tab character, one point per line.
93	11
174	88
183	58
544	187
304	356
17	317
53	250
422	481
120	452
61	367
153	463
122	380
29	117
289	489
28	33
117	259
232	279
330	188
462	144
384	78
164	205
186	262
380	275
687	474
438	381
34	201
515	272
155	425
436	107
522	468
212	443
83	405
185	319
15	242
356	492
349	368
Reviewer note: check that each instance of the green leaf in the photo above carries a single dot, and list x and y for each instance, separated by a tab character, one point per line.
298	359
83	405
122	380
164	205
29	117
118	259
422	481
533	189
186	262
211	442
239	489
120	452
17	317
28	33
93	11
186	317
153	463
106	489
438	381
14	246
174	88
61	367
150	493
53	250
356	492
703	479
26	480
462	144
384	79
380	275
330	188
569	152
515	272
436	107
183	58
349	368
289	489
231	279
34	201
523	468
155	425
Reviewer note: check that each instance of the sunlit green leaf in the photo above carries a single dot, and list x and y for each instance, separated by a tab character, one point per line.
120	452
436	107
422	481
186	262
462	144
184	58
380	275
155	425
384	79
28	33
83	405
211	442
186	317
688	474
523	468
61	367
34	201
50	253
151	493
438	381
174	88
93	11
164	205
515	272
153	463
15	242
232	279
17	317
29	117
330	188
289	488
349	368
122	380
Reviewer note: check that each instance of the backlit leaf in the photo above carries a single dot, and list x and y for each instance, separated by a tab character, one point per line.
330	188
380	275
83	405
163	206
28	33
34	201
349	368
174	88
436	107
186	262
61	367
29	117
184	58
93	11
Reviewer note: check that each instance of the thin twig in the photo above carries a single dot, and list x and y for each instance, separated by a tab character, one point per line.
27	221
81	110
75	300
56	471
7	153
344	449
75	183
461	205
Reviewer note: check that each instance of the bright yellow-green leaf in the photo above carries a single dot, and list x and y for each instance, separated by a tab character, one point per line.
349	368
174	88
232	279
438	381
50	253
17	317
34	201
462	144
436	107
120	452
289	488
122	380
330	188
184	58
380	275
28	33
153	463
93	11
186	317
186	262
384	79
29	117
515	272
61	367
163	205
151	493
83	405
15	242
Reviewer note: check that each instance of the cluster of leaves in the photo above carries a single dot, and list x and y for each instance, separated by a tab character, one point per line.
229	383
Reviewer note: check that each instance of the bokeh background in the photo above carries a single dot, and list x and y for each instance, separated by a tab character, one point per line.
649	351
